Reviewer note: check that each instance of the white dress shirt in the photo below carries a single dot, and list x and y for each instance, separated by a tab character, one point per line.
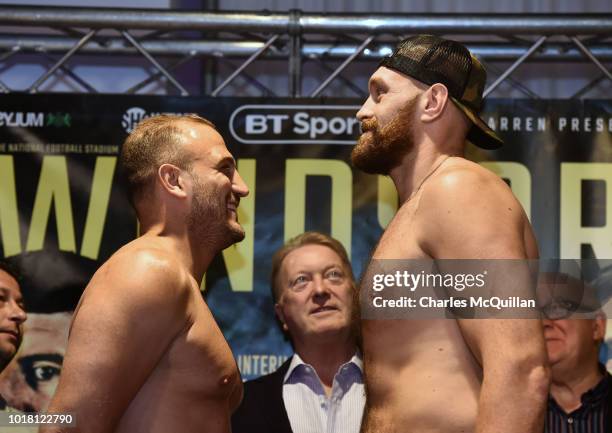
308	407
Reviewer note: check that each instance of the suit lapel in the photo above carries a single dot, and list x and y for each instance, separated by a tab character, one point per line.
279	415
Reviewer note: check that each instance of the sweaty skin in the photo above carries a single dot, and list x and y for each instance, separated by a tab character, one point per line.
166	367
144	352
426	376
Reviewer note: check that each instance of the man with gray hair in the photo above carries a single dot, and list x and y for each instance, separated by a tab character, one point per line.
320	388
580	398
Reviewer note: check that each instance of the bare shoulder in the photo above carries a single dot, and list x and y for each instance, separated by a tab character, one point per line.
465	186
466	180
139	281
141	272
130	314
469	211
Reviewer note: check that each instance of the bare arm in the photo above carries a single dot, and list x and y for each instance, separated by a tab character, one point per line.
478	218
129	314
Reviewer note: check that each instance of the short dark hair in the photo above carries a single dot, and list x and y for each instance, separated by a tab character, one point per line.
11	269
153	142
307	238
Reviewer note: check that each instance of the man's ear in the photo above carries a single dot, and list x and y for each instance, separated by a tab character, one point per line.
436	98
172	180
599	327
278	309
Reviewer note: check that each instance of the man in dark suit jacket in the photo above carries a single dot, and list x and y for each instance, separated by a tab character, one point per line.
320	388
262	409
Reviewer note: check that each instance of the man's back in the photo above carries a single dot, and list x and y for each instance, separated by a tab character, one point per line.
426	375
145	354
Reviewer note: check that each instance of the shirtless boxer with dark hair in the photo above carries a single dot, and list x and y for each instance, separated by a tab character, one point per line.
446	375
144	352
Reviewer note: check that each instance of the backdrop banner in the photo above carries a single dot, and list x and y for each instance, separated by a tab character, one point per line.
64	210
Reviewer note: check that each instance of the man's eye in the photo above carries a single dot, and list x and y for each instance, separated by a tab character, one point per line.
379	93
299	282
560	309
335	275
568	304
44	372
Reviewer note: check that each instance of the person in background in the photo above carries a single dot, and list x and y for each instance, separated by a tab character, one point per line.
12	317
30	380
320	388
574	328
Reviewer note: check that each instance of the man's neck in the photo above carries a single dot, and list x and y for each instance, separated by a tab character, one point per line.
326	357
568	391
195	256
415	168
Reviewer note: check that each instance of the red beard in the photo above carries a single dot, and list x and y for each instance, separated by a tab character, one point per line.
379	150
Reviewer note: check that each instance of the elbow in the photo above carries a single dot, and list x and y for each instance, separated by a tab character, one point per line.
539	378
534	374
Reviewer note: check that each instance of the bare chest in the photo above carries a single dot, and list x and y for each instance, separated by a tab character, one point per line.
400	239
200	359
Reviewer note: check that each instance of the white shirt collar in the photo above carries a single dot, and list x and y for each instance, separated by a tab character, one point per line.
296	361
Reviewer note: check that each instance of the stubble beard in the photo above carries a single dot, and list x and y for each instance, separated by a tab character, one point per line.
209	219
380	150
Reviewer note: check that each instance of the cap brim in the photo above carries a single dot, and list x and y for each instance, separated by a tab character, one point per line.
479	134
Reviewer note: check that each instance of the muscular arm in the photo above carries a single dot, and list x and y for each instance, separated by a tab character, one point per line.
469	214
129	314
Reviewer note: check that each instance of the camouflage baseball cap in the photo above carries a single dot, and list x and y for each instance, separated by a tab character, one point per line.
431	60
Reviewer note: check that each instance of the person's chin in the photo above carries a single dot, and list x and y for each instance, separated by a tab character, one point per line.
9	340
367	159
7	352
235	232
554	350
329	321
555	359
364	139
364	142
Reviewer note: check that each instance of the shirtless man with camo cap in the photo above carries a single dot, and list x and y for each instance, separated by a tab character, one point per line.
445	375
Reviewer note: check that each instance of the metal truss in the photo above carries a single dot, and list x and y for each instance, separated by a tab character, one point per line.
169	39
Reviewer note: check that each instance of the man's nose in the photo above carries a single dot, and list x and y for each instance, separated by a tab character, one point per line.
365	112
17	313
320	286
239	187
